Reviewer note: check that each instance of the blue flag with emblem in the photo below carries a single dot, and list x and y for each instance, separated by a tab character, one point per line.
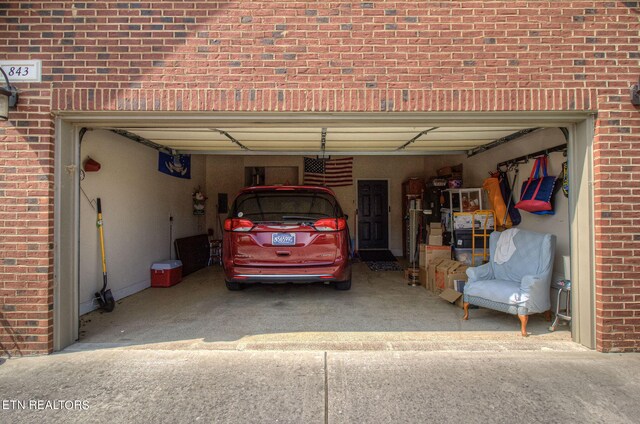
177	166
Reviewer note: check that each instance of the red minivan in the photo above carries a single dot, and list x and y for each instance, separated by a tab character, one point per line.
286	234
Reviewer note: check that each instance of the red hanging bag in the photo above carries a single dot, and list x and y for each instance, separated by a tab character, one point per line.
538	190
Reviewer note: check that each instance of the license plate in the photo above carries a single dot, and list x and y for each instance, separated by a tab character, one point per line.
283	239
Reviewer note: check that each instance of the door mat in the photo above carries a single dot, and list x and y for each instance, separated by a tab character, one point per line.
384	266
376	256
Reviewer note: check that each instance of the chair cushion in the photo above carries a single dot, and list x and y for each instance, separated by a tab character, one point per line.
501	291
533	256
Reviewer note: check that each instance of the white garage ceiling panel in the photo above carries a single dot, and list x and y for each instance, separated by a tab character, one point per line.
315	140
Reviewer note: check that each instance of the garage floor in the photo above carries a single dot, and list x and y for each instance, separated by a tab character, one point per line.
380	312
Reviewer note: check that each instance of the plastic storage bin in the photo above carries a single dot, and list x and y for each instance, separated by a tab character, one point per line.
467	221
166	273
463	239
464	256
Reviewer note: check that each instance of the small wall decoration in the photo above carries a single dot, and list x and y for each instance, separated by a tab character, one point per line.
198	201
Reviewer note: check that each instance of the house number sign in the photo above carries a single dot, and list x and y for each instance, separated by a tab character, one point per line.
22	70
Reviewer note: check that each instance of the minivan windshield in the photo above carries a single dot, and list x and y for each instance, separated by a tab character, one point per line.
291	206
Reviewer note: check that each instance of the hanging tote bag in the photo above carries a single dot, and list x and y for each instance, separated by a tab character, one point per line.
538	190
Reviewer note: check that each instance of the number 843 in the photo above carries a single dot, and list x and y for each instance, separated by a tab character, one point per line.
18	71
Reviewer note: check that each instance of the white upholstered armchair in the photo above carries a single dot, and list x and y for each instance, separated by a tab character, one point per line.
521	284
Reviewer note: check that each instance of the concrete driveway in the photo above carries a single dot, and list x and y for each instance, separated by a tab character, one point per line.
380	311
152	385
382	352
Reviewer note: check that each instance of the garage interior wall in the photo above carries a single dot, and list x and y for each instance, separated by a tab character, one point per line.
476	169
137	201
225	174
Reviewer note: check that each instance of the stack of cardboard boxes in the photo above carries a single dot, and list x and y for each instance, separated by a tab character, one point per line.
429	256
435	234
438	272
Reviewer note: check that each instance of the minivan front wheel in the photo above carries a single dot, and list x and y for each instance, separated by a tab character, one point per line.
343	285
233	286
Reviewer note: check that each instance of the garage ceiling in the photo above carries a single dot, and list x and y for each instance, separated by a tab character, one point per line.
316	140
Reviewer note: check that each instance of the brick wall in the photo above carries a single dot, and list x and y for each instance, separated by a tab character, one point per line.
317	56
617	224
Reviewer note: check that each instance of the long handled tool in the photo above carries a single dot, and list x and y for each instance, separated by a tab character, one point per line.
104	297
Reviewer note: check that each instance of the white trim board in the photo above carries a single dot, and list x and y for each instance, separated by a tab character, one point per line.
66	245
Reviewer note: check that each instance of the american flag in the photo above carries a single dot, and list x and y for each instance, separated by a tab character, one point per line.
328	172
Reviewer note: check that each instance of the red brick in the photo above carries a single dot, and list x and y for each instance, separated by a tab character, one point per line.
518	65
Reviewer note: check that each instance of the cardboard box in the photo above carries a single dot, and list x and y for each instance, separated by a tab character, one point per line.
431	273
435	226
414	186
422	257
455	282
435	231
435	240
454	286
449	170
430	253
459	274
423	277
444	274
443	269
452	296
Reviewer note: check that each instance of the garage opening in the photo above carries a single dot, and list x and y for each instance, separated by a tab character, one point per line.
408	185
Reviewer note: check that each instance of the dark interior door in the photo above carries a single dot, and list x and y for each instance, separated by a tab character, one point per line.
373	215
